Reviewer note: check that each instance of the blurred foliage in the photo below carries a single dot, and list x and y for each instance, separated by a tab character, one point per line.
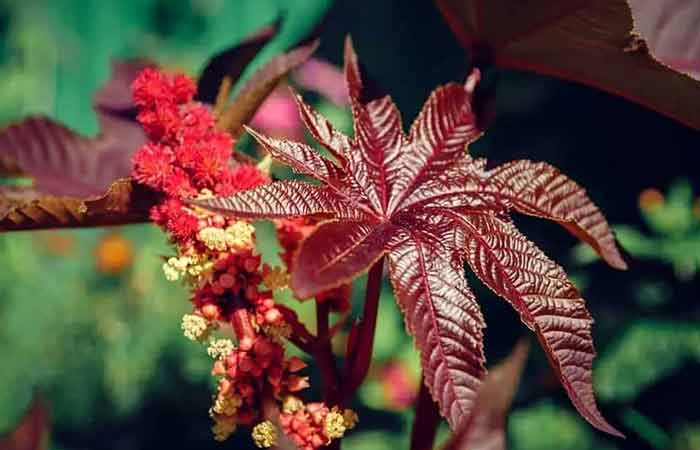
644	353
90	340
556	428
87	317
673	221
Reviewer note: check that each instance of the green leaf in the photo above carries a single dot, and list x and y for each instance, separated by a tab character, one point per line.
645	352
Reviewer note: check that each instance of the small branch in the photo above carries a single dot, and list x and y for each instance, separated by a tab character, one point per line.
426	421
324	354
359	355
339	324
222	95
301	337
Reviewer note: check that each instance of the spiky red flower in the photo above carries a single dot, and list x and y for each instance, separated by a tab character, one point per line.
239	178
153	164
423	202
154	88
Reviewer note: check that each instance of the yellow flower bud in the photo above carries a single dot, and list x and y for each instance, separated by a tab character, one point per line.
226	405
334	425
350	418
291	404
276	278
194	327
264	434
222	429
240	235
220	348
214	238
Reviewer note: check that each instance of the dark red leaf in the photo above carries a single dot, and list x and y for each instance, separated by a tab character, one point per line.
123	202
259	86
421	200
336	253
540	190
324	132
442	314
64	163
77	181
440	134
282	199
587	41
548	303
32	433
485	429
300	157
378	135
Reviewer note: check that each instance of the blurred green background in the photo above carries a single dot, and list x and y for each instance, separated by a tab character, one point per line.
87	318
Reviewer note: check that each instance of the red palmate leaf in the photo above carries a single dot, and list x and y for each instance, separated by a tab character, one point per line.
336	253
442	314
283	199
587	41
547	302
485	429
300	157
541	190
423	202
440	134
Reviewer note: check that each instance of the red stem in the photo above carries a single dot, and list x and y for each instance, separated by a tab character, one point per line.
301	337
426	421
324	354
360	354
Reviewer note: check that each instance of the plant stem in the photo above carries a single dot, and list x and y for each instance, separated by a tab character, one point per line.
360	355
324	354
426	420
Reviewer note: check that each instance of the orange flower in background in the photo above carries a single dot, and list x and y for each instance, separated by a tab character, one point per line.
399	385
57	242
113	254
650	199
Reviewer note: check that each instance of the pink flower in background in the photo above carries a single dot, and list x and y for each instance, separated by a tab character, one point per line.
278	115
324	78
398	384
670	29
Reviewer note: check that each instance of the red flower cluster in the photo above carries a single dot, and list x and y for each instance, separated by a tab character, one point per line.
186	158
290	234
315	425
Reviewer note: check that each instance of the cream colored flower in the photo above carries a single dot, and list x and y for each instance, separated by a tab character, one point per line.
220	348
264	434
195	328
240	235
334	425
214	238
276	278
